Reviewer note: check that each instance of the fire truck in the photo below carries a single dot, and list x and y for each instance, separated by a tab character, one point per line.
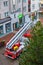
13	47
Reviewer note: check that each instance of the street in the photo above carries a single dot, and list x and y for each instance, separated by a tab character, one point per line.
6	61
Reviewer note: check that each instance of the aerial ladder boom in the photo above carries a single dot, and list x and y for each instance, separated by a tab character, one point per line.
13	49
19	34
16	37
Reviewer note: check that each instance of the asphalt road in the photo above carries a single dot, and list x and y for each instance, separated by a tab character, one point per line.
6	61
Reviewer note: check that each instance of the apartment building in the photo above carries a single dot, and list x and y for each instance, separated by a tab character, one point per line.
6	7
16	9
22	6
27	6
5	20
9	6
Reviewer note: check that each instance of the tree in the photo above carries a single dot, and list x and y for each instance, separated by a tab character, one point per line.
33	55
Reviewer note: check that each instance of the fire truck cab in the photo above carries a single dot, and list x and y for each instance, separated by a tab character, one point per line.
15	51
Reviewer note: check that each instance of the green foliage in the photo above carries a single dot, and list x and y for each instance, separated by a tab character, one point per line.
34	52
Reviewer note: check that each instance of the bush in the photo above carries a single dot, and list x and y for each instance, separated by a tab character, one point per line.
34	53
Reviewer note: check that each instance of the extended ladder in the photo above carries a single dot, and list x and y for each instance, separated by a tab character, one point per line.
19	34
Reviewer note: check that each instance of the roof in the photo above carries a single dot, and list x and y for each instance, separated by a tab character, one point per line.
5	20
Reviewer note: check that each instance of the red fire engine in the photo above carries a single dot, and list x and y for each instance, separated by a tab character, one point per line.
15	51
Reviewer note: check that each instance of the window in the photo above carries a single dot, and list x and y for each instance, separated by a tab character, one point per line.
6	14
33	6
19	9
16	25
13	7
28	5
1	30
24	0
8	27
5	3
24	8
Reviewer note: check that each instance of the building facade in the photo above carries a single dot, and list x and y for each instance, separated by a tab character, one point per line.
5	26
13	8
9	6
4	8
22	6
